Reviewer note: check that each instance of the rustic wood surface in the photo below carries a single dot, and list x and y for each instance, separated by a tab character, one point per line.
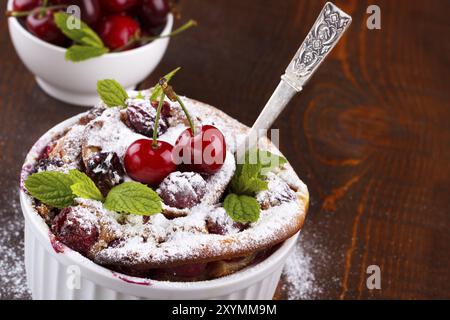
369	135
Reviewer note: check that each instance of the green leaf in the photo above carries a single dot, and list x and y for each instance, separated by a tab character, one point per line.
247	186
51	187
84	187
157	90
269	161
242	208
133	197
83	35
77	53
139	95
112	93
248	178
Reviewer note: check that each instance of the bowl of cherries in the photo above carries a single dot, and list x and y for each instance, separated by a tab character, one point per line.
71	44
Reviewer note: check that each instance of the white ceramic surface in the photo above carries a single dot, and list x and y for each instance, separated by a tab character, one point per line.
76	83
53	275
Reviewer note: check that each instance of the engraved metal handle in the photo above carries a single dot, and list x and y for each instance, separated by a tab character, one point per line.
324	35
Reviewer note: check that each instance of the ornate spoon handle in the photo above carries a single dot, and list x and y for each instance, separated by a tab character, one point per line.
324	35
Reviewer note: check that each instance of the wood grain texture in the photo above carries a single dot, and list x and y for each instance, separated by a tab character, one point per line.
369	134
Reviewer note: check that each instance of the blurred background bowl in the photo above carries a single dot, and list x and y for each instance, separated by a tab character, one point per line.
76	83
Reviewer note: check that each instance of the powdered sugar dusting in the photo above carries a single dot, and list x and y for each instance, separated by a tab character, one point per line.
299	275
110	134
159	240
12	266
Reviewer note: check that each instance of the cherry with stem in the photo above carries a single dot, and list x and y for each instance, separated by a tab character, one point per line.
145	40
198	142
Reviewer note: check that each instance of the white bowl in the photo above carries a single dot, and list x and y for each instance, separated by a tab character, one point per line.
75	83
52	274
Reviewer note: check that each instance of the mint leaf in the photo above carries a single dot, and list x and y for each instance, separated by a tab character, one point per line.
77	53
51	187
139	95
248	178
84	187
269	161
112	93
82	35
157	90
242	208
247	185
133	197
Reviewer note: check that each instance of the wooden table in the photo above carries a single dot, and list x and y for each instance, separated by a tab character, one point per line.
369	135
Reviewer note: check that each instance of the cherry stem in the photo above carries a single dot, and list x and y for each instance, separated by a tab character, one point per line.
155	127
44	5
168	90
184	27
41	10
191	124
145	40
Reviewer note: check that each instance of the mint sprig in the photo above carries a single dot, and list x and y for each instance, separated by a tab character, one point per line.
51	188
83	186
242	208
59	190
77	53
133	197
87	44
240	204
112	93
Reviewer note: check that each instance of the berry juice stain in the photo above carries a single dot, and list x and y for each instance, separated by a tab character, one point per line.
128	280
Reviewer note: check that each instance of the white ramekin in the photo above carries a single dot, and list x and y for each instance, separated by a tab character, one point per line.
52	274
75	83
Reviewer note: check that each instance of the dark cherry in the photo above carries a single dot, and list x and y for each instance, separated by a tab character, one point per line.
118	6
206	151
142	120
182	189
165	110
43	26
45	153
147	163
117	31
45	163
153	13
75	232
26	5
106	170
91	12
216	228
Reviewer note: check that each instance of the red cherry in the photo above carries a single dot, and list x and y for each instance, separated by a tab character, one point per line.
43	26
206	150
153	13
165	110
148	164
90	9
71	229
118	30
26	5
118	6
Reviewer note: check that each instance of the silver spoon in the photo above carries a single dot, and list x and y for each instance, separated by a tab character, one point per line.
324	35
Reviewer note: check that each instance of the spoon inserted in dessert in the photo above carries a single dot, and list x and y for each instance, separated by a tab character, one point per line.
324	35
